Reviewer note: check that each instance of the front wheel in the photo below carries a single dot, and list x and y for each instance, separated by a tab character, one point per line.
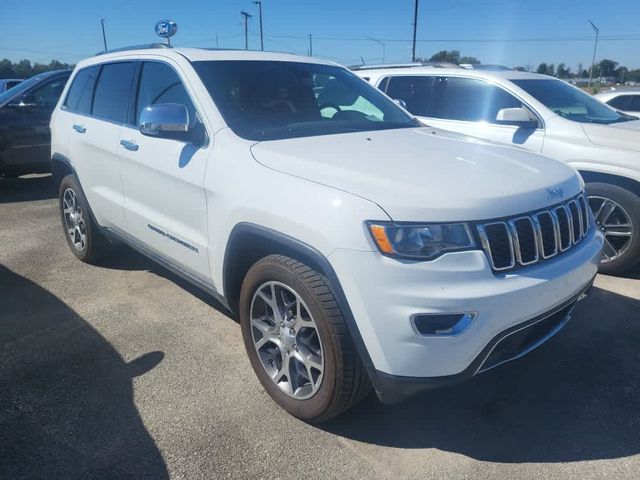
617	215
297	340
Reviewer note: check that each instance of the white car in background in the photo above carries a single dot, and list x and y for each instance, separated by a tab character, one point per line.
626	101
544	115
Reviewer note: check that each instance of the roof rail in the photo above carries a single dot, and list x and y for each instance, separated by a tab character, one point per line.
135	47
405	65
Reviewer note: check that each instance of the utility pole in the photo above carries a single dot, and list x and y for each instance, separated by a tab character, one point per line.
261	34
246	29
104	35
381	43
217	45
310	45
415	29
595	48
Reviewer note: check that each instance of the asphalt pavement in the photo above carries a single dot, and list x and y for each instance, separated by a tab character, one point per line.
124	371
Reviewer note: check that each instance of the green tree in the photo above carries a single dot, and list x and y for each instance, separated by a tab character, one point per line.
452	56
470	60
607	68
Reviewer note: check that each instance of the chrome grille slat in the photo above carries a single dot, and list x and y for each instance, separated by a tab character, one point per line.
526	240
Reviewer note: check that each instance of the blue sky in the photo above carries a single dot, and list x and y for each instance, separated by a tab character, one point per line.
496	31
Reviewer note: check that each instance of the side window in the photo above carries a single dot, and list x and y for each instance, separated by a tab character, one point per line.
470	100
111	98
159	83
47	94
634	104
415	91
383	84
81	91
621	103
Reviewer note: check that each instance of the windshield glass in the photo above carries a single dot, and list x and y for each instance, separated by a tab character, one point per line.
570	102
271	100
21	87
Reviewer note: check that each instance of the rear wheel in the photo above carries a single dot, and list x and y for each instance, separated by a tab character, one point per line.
82	234
297	340
617	216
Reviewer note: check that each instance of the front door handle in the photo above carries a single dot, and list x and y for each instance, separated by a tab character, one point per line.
129	145
79	128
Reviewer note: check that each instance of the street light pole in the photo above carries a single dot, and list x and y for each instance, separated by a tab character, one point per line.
259	3
595	48
104	35
381	43
246	29
310	45
415	29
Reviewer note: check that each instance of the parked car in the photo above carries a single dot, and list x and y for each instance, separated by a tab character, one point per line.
626	100
25	112
357	247
544	115
7	83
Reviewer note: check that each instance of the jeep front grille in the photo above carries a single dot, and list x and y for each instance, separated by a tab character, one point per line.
529	239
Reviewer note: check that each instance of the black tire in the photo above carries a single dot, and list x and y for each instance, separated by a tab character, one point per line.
345	381
630	202
95	245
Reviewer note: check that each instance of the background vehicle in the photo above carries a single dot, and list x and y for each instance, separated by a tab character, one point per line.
545	115
357	247
624	100
25	112
7	83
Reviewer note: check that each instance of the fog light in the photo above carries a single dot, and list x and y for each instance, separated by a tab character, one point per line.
446	324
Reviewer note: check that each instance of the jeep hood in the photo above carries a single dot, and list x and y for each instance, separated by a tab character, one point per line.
625	135
422	174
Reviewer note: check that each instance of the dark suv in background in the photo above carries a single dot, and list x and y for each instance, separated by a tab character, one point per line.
25	111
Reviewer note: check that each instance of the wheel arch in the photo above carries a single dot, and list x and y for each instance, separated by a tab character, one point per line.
249	242
618	180
60	168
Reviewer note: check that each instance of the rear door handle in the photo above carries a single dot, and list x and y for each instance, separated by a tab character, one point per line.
79	128
129	145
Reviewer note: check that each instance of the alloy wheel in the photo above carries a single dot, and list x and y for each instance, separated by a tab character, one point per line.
286	339
74	220
615	224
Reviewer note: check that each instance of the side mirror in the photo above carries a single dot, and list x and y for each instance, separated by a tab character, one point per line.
165	120
520	117
401	103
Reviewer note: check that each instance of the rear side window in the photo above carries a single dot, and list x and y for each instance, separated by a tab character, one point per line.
621	103
634	104
81	91
159	83
415	91
111	98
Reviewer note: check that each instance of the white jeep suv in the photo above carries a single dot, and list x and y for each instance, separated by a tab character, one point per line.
544	115
357	247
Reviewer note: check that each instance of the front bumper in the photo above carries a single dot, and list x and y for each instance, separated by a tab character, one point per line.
384	293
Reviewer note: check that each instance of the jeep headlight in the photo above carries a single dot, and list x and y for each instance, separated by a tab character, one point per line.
421	241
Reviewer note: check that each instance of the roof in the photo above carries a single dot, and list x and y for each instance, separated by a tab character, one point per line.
485	74
202	54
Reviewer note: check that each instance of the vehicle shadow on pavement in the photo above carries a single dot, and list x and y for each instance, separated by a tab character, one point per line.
126	258
66	395
575	398
27	189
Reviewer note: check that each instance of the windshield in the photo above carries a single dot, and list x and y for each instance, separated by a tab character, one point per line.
21	87
271	100
570	102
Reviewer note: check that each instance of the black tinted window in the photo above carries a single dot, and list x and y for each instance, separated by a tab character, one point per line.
469	100
111	97
45	95
621	102
414	91
81	90
634	104
159	83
